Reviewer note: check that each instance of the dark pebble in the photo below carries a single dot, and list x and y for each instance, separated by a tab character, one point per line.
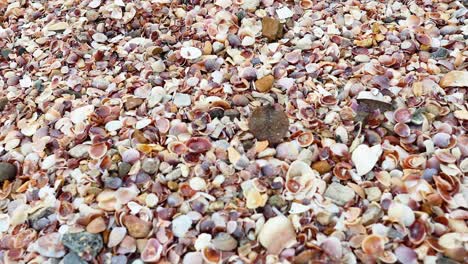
84	244
3	103
7	171
112	183
39	220
73	258
232	114
440	53
269	123
216	113
124	168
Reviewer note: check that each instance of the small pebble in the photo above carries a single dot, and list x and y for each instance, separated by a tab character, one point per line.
272	29
269	123
265	83
112	182
124	168
3	103
7	171
84	244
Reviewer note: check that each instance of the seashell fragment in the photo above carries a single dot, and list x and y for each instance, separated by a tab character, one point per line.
401	213
181	225
190	53
365	158
116	236
277	234
152	251
454	79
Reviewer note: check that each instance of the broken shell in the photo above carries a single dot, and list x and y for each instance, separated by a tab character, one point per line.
401	213
181	225
445	156
417	232
365	158
130	156
454	79
342	170
177	147
305	139
137	227
277	234
116	236
198	144
97	225
299	178
373	245
402	115
332	246
190	53
152	251
406	255
403	130
97	151
224	242
211	255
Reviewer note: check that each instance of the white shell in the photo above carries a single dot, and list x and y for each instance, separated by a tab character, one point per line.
116	236
284	12
190	53
365	158
277	234
4	222
181	225
114	125
401	213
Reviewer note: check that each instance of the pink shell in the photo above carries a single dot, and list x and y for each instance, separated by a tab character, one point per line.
402	115
198	144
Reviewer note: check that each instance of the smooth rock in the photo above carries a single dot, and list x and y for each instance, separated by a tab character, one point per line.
113	182
322	166
3	103
270	123
137	227
272	29
371	215
7	171
84	244
240	100
73	258
39	219
124	168
339	194
265	83
132	103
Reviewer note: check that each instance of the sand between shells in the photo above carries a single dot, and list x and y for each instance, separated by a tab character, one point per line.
233	131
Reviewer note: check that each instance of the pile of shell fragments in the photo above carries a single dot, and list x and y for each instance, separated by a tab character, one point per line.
233	131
